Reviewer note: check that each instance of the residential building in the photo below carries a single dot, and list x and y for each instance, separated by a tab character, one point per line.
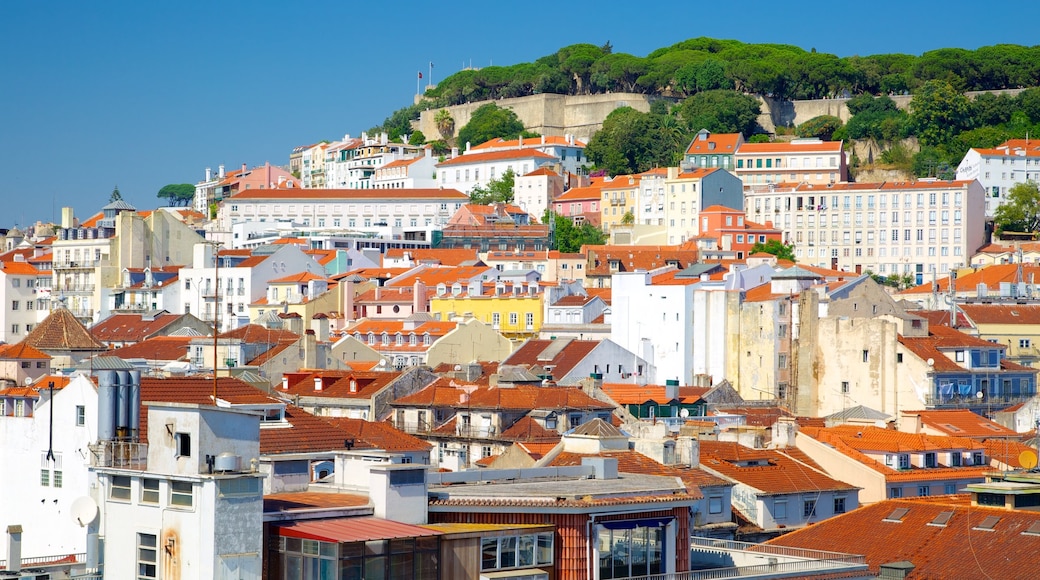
338	155
581	204
354	166
230	184
889	464
713	150
577	316
22	364
567	361
995	283
312	165
475	167
731	233
778	489
418	172
999	168
809	161
687	193
357	393
919	228
63	337
619	201
1017	326
18	299
568	149
46	432
121	330
536	191
953	423
358	210
421	340
514	309
958	536
602	262
142	290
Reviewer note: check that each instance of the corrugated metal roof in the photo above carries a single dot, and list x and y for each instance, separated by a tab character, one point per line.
360	529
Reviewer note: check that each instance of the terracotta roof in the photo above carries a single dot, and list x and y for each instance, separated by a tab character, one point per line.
573	300
632	258
270	353
570	354
381	435
21	350
19	268
62	331
790	147
956	549
766	470
338	384
723	143
255	333
991	276
167	348
1001	313
433	275
630	394
443	256
529	430
939	341
515	398
962	423
485	157
131	327
592	192
288	502
532	142
755	416
300	278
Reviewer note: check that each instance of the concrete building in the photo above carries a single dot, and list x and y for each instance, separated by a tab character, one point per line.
536	191
999	168
477	167
18	299
689	192
917	228
409	173
809	161
708	150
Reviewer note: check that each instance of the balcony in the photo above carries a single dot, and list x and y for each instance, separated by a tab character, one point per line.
761	561
119	454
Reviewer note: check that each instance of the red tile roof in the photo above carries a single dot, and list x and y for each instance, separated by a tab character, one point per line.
940	340
632	258
629	394
785	147
562	362
168	348
21	350
529	430
334	195
635	462
62	331
517	154
723	143
131	327
954	550
338	384
991	276
515	398
255	333
767	470
1001	313
443	256
533	142
351	529
381	435
962	423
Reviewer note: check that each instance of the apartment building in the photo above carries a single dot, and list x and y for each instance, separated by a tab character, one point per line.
999	168
916	227
799	161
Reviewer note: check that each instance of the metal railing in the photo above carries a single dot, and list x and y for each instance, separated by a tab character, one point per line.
119	454
48	561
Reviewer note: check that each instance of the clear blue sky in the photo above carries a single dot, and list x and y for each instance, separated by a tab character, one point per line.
141	94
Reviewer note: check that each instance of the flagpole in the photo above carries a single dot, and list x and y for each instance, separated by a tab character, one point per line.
418	78
430	81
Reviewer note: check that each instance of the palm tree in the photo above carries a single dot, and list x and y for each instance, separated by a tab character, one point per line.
445	124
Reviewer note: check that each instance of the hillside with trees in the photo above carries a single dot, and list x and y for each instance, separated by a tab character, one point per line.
709	80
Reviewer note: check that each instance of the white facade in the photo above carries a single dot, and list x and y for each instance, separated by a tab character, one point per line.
239	286
19	303
469	170
343	208
910	227
176	518
654	321
534	192
1000	168
39	491
408	173
205	190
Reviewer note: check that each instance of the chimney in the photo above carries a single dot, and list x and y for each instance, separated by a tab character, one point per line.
688	451
454	152
348	300
467	147
317	384
520	142
243	168
418	296
14	548
285	383
398	492
320	326
209	174
671	389
220	171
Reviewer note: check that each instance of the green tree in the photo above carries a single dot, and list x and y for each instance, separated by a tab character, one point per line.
177	193
629	218
721	112
489	122
938	112
823	127
1020	212
779	249
417	138
445	124
497	190
568	238
632	142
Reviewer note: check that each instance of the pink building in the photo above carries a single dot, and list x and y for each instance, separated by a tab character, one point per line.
581	204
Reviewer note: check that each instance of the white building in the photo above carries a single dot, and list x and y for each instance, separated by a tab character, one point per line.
18	299
535	191
685	194
241	281
799	161
409	173
194	508
474	168
40	489
343	208
888	228
205	190
568	149
1001	167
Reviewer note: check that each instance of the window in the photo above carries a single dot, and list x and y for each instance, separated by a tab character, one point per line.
808	508
866	356
950	488
715	505
923	490
839	505
14	305
904	461
182	441
496	319
81	415
120	488
930	460
512	318
529	320
1023	343
895	492
780	510
147	556
150	491
180	493
844	387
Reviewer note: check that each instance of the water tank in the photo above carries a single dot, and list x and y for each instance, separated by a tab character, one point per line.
135	401
107	400
123	403
227	462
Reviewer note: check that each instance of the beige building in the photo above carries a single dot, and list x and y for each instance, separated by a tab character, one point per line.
799	161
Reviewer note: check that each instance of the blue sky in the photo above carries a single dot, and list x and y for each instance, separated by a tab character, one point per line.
141	94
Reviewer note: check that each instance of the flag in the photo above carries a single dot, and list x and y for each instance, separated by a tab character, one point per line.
431	64
420	74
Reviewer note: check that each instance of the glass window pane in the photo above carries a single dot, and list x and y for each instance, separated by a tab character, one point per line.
507	554
489	553
525	551
375	568
545	548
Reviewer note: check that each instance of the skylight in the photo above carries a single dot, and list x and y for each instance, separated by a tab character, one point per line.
987	524
1033	530
897	515
942	519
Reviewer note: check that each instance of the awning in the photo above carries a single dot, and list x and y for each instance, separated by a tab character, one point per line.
633	524
358	529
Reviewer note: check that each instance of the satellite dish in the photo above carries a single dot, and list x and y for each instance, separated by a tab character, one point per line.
1027	459
931	362
28	381
83	511
979	395
684	413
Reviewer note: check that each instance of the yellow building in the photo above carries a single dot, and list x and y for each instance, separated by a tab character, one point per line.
512	308
1016	326
619	198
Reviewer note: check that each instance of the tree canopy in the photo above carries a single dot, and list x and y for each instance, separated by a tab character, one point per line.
499	189
177	193
720	111
489	122
568	238
779	249
1020	212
